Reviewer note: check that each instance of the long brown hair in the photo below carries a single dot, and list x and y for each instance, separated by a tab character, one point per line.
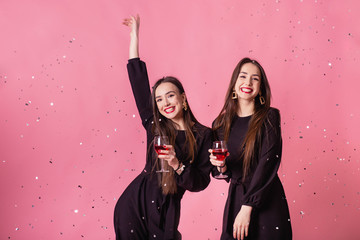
164	126
252	141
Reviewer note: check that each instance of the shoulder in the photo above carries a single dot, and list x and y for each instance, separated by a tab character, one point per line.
273	114
198	127
202	131
273	120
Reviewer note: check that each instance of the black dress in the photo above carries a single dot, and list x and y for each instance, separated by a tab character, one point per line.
262	188
143	211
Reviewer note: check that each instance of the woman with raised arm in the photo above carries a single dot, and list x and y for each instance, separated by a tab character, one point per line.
149	208
256	207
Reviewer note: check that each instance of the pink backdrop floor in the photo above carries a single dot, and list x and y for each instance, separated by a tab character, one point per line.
71	138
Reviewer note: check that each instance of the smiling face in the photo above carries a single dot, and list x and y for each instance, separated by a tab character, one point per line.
169	101
247	85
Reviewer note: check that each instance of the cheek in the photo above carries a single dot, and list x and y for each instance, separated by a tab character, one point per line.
175	101
238	83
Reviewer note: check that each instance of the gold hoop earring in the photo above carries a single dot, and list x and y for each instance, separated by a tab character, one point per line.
234	95
185	106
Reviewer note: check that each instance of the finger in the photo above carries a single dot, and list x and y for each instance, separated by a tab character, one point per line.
234	232
216	163
169	147
210	150
219	163
246	230
242	231
166	152
213	158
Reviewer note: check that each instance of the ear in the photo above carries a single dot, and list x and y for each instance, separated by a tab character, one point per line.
183	96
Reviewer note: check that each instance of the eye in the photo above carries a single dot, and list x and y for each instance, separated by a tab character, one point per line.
158	100
171	95
256	79
243	76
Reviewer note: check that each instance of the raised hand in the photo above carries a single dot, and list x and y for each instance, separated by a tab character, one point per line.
134	24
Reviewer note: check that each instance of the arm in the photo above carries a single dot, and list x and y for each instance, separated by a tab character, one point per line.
134	24
196	176
268	162
138	73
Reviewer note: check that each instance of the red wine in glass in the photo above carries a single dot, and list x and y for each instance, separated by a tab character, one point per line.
220	151
159	144
220	154
158	148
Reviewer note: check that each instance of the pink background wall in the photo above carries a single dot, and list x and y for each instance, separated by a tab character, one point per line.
71	138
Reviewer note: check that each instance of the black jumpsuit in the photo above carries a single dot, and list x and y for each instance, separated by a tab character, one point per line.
143	211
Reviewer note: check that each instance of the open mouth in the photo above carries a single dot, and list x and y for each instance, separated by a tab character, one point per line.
246	90
169	110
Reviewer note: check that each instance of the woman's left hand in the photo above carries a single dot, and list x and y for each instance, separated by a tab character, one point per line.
169	155
242	222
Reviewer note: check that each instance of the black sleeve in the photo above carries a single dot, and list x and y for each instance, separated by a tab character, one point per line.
268	162
141	89
196	176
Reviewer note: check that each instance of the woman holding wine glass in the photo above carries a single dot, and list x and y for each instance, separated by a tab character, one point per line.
176	160
256	207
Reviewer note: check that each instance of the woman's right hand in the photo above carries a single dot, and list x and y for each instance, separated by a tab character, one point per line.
221	167
214	161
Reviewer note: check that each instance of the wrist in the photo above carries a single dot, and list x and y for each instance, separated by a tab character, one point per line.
246	208
180	168
134	35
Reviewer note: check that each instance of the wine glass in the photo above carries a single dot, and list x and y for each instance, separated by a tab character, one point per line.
220	151
159	144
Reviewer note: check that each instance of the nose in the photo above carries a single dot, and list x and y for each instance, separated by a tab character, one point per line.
167	103
248	81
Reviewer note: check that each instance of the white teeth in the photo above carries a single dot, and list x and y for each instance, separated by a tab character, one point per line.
246	90
169	109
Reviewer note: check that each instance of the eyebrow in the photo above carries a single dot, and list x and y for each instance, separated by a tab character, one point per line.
166	93
253	74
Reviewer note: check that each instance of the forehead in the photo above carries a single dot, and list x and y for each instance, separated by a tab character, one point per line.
164	88
250	68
